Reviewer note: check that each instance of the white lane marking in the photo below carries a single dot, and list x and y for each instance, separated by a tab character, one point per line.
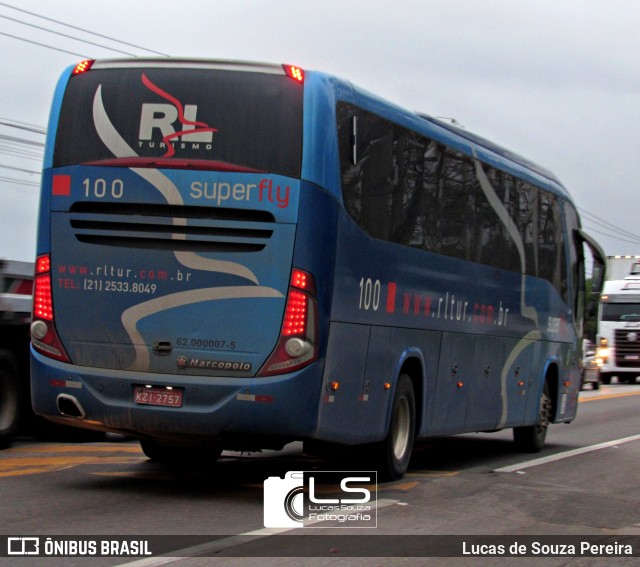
565	455
219	544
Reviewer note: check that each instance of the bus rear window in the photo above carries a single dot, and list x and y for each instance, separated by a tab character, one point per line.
236	118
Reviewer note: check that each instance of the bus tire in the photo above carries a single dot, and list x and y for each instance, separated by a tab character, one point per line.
10	405
605	378
394	453
531	438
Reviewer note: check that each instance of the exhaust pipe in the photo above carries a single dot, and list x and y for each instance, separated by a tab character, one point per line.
69	406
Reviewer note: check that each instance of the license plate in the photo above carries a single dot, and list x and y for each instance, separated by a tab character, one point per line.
157	396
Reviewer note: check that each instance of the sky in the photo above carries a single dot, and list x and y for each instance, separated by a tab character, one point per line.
557	81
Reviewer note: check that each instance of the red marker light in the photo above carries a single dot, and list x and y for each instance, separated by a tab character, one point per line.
44	337
295	318
83	66
42	302
299	279
43	264
297	344
295	73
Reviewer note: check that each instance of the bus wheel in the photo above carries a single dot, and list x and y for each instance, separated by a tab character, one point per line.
531	438
393	454
178	454
9	398
605	378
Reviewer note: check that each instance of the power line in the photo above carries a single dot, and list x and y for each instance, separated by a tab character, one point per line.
601	221
22	126
21	141
19	169
15	152
20	148
84	30
66	35
20	181
608	226
14	146
613	236
620	235
45	45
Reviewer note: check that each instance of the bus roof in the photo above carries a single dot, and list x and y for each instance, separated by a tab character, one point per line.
492	146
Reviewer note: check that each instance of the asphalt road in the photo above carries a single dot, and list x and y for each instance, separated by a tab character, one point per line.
583	484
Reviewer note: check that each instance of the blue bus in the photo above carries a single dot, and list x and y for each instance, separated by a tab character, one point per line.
235	256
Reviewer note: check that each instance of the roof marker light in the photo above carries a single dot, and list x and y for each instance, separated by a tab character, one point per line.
83	66
295	73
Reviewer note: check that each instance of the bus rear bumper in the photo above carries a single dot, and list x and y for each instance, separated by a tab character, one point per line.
284	406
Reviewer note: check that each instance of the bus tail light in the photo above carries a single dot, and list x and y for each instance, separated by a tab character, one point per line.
43	332
297	344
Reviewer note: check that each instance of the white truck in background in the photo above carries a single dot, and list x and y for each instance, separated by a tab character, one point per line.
620	267
618	338
16	282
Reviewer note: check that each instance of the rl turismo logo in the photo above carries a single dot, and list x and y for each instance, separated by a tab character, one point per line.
163	116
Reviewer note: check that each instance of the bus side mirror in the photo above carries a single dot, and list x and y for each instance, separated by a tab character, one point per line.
599	262
597	278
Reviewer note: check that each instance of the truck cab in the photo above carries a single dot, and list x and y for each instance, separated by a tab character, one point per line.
618	340
16	281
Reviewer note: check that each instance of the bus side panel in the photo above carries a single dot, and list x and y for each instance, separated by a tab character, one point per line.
567	406
486	384
449	414
43	242
366	363
339	413
315	249
519	385
320	162
479	386
389	349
